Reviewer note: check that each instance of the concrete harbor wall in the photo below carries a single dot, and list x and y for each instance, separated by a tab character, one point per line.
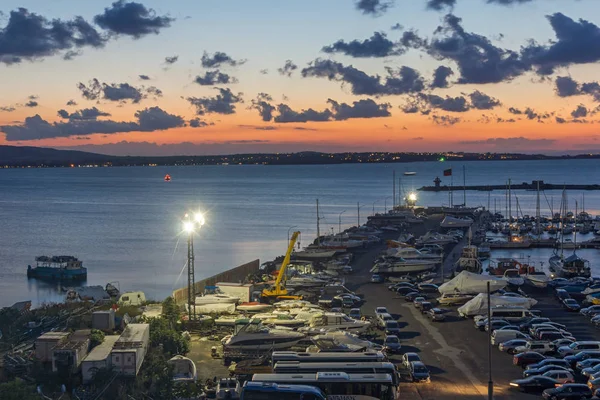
237	274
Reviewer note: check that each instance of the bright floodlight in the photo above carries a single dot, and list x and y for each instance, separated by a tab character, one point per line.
412	197
199	218
188	226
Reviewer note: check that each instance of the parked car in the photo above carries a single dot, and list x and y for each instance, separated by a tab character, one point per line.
533	321
418	372
592	310
578	346
382	319
562	342
381	310
582	355
417	301
496	324
549	361
376	278
541	347
407	358
527	358
510	345
542	370
588	363
562	294
411	296
425	306
404	290
392	328
481	323
509	328
355	313
587	372
428	288
561	376
571	305
435	314
396	286
534	384
568	391
392	344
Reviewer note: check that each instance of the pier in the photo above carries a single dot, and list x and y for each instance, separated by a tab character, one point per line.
518	186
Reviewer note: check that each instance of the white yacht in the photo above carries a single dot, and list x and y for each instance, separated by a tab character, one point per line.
251	335
324	322
410	253
537	279
400	266
513	277
213	295
454	222
453	299
303	281
341	341
309	254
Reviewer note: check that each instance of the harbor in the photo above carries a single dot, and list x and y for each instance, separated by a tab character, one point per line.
405	284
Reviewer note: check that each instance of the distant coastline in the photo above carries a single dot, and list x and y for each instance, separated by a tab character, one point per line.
40	157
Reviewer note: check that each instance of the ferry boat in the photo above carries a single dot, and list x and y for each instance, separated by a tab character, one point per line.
57	268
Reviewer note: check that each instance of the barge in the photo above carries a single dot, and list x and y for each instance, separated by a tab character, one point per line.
57	268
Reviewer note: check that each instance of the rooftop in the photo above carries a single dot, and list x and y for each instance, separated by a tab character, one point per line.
133	333
102	351
54	336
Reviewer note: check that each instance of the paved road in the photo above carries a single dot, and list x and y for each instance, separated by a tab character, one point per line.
456	353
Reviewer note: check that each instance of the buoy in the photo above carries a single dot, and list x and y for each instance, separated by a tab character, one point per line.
167	178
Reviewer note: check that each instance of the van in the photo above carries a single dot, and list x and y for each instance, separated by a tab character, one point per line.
511	313
500	336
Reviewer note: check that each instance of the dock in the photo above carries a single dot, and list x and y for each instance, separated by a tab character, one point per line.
518	186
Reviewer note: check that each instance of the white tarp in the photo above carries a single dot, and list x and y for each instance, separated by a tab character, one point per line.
478	304
470	283
218	308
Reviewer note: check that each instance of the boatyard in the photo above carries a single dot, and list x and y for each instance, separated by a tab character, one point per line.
411	287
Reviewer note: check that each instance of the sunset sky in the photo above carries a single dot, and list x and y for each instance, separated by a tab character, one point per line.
234	76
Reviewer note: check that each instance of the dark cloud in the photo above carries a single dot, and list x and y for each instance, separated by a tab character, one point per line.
71	54
287	115
440	77
171	60
411	40
218	59
288	68
502	120
132	19
439	5
265	109
514	110
445	120
144	77
482	101
198	123
591	88
377	45
450	104
34	128
84	114
33	97
529	113
566	86
7	109
366	108
264	71
301	128
373	7
418	138
514	142
508	2
580	112
577	42
560	120
259	127
71	103
214	78
95	90
29	36
222	103
31	104
478	60
397	27
402	81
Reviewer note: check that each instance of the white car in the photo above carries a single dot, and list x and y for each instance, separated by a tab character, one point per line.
539	347
561	376
576	347
382	319
381	310
407	358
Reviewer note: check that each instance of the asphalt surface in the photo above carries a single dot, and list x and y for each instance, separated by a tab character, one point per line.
455	352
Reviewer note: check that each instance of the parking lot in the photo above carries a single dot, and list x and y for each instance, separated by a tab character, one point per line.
455	352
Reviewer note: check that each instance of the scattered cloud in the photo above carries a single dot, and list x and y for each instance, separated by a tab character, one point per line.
219	59
366	108
288	68
120	92
84	114
144	77
377	45
214	78
71	103
440	77
31	104
448	103
34	128
171	60
131	19
397	27
287	115
511	142
439	5
445	120
264	71
580	112
418	138
265	109
198	123
482	101
373	7
566	86
222	103
530	113
259	127
7	109
29	36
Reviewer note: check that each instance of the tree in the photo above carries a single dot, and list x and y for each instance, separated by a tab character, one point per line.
171	311
96	337
161	334
18	390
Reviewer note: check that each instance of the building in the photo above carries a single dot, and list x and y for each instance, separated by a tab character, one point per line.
68	355
98	358
44	345
104	320
130	349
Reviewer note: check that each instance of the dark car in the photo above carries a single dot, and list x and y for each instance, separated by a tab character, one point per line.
425	307
527	358
496	324
428	288
542	370
396	286
524	327
550	361
568	391
562	294
404	290
411	296
435	314
582	355
571	305
534	383
418	372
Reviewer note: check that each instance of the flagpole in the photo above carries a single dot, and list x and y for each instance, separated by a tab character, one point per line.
451	187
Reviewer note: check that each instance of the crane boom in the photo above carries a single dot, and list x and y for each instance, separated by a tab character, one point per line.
286	260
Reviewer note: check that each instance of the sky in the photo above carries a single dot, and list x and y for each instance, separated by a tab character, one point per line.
199	77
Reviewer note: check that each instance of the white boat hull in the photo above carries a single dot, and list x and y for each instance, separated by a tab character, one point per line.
403	269
216	299
254	307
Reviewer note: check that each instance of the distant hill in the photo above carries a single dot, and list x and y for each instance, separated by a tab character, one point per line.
28	155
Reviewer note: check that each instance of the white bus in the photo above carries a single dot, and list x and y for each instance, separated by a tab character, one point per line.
267	391
296	367
339	385
344	357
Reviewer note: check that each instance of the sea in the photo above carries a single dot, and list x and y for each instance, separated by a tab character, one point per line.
125	223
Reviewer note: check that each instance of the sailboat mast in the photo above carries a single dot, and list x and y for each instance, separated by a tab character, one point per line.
575	229
464	187
537	210
509	205
451	187
318	226
394	189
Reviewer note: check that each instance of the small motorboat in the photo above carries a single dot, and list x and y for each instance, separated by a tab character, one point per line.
253	306
410	173
167	178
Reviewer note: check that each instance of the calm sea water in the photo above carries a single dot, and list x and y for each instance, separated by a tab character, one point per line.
125	223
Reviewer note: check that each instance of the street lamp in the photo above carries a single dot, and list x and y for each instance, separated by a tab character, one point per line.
385	203
340	222
289	229
358	207
190	224
374	206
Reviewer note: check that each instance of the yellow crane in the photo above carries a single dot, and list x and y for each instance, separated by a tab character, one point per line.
278	290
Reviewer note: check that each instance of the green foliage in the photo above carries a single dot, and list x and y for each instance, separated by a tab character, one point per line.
96	338
171	311
161	334
18	390
133	311
156	376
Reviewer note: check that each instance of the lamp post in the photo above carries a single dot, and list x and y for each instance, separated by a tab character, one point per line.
374	206
189	226
340	222
385	203
358	207
289	229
